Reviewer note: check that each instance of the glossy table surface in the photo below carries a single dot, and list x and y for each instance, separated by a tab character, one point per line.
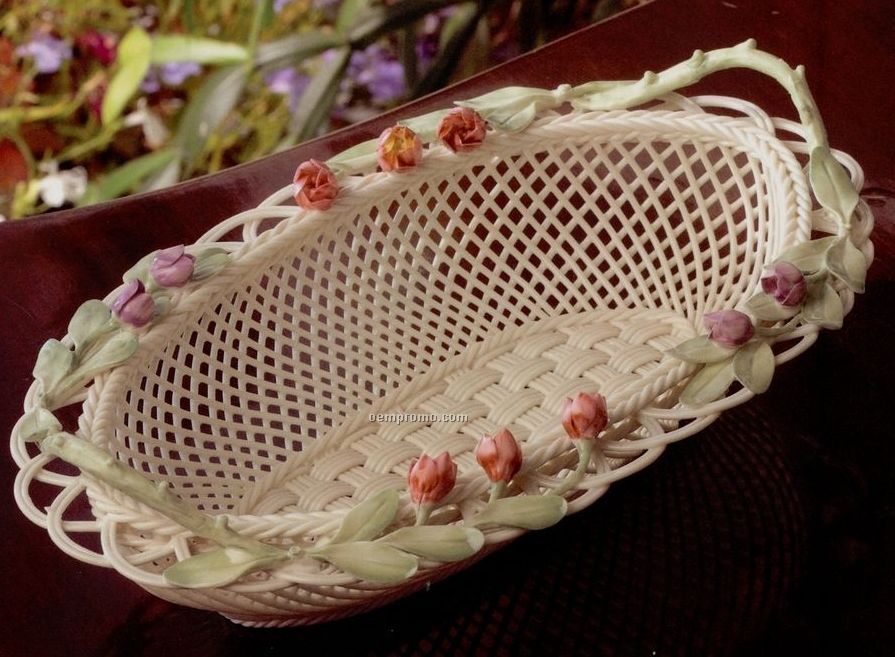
770	533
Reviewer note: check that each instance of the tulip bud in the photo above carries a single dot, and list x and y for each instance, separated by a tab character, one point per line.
314	186
729	328
500	456
399	149
431	479
172	267
785	284
134	305
461	129
585	416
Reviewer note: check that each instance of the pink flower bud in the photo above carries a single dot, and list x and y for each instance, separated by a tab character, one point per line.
134	305
431	479
500	456
585	416
399	149
314	186
461	129
729	328
786	284
172	267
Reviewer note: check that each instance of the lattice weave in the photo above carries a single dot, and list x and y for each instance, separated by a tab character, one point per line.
568	257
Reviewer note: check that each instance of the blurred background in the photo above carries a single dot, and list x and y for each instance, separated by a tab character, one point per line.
101	99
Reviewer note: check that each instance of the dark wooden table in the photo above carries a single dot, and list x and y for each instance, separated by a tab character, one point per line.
771	533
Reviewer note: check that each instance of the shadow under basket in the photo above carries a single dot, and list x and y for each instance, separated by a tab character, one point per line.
273	405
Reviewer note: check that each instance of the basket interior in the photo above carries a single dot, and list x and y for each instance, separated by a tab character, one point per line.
438	261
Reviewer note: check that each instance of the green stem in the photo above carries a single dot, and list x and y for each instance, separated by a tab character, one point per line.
423	511
585	448
498	488
261	10
100	464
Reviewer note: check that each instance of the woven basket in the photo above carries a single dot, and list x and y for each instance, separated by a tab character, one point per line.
247	450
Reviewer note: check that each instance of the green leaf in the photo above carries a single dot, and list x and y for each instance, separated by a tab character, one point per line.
456	34
112	351
380	19
133	60
166	176
218	567
127	177
296	48
754	366
317	100
823	307
140	271
348	11
524	511
90	320
209	262
848	264
374	562
37	424
213	101
425	126
808	256
168	48
709	383
54	362
701	350
367	520
831	184
764	307
437	542
360	157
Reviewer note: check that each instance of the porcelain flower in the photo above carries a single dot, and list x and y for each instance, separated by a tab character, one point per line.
585	416
315	186
134	305
785	284
172	267
431	479
399	149
462	129
500	456
729	328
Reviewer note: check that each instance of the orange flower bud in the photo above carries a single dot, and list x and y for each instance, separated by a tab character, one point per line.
500	456
315	186
585	416
431	479
399	149
462	129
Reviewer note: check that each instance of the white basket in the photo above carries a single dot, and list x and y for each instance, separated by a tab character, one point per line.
570	255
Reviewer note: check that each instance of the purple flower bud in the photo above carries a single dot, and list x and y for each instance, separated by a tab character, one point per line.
729	328
134	305
786	284
172	267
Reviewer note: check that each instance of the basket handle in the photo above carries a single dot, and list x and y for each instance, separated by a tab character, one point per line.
829	180
514	108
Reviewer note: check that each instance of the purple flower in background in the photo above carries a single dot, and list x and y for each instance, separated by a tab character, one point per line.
175	73
288	82
48	52
150	83
376	69
172	74
280	5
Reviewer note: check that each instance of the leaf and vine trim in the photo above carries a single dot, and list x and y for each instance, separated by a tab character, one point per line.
798	289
